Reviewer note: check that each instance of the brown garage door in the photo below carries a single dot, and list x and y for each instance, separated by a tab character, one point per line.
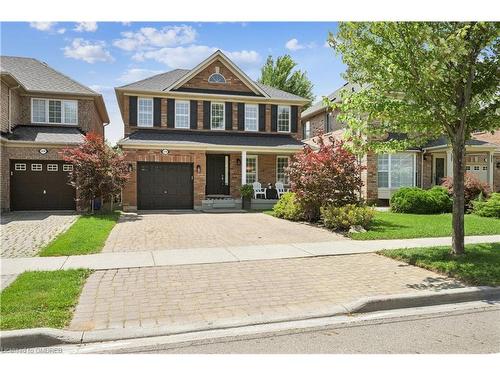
40	185
164	186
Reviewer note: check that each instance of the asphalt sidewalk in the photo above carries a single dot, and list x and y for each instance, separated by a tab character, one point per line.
103	261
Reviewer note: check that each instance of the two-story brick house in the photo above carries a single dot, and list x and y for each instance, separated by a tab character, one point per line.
423	166
42	112
193	137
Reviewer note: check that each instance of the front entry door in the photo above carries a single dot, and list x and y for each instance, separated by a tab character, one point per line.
439	172
217	175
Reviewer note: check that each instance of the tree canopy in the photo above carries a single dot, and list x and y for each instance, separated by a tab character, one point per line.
281	75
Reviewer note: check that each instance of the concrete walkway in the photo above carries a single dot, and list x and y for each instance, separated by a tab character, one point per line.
103	261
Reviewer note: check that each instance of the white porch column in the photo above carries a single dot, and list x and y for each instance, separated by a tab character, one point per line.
490	170
449	164
243	168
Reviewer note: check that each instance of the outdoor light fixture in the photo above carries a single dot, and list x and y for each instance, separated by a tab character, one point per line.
164	151
498	165
198	168
43	151
238	162
130	167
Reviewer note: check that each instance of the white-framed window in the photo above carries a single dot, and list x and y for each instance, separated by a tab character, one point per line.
476	167
145	112
54	111
182	114
485	168
396	170
252	165
216	78
52	167
467	167
251	117
67	167
281	165
307	130
284	118
36	167
20	166
217	116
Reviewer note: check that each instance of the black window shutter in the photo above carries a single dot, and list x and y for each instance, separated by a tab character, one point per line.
241	116
262	117
157	112
274	118
295	118
171	113
132	110
229	116
193	114
206	114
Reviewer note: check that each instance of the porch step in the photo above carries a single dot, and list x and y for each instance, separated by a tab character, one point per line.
222	203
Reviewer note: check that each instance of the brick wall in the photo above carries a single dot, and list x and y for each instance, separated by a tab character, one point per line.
133	156
427	172
371	180
496	174
317	123
4	107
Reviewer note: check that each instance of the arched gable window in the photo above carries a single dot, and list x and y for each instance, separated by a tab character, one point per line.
216	78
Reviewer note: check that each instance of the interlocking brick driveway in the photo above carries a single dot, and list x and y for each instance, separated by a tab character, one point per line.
24	233
205	293
152	231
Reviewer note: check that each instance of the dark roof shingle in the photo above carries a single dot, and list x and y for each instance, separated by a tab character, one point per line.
46	134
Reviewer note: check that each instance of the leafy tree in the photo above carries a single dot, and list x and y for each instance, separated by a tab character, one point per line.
422	79
330	175
99	171
281	76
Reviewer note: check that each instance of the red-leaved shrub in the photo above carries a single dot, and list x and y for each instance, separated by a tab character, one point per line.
328	176
472	188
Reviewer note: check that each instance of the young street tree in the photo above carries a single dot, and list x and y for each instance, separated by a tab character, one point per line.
282	76
422	79
98	170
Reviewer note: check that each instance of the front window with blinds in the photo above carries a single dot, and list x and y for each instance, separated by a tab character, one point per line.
251	117
181	114
284	119
145	112
396	170
281	165
251	169
54	111
217	116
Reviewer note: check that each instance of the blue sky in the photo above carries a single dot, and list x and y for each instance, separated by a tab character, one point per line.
104	55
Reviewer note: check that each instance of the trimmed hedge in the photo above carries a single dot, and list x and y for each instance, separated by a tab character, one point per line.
344	217
487	208
414	200
288	207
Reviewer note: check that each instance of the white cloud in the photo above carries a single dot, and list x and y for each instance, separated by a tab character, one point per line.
86	26
43	26
62	30
87	51
150	37
189	56
294	45
136	74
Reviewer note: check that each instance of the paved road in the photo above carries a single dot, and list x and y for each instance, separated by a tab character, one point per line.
459	332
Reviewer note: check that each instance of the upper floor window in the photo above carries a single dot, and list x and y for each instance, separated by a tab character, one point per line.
251	117
145	112
217	116
181	114
54	111
307	130
284	119
216	78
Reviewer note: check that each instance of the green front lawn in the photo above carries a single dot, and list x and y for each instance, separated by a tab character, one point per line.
86	236
388	225
480	265
41	299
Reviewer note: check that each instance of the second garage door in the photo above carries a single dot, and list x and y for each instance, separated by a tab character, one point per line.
164	186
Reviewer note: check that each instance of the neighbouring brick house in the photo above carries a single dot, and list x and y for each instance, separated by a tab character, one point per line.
423	166
42	112
193	137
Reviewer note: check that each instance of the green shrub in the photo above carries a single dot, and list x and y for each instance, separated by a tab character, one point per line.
246	191
414	200
344	217
288	207
487	208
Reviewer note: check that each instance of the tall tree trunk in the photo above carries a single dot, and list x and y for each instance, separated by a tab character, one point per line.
458	147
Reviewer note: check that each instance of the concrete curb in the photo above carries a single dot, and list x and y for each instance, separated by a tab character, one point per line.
44	337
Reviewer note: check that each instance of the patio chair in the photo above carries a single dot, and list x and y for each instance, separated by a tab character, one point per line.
258	190
280	188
